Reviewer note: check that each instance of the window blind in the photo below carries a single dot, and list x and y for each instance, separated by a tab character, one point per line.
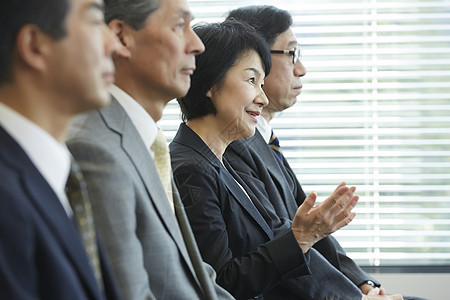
374	112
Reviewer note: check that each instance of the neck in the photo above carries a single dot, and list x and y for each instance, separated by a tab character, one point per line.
37	107
267	115
212	134
148	98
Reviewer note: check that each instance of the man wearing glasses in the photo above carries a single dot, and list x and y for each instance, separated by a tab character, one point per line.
260	162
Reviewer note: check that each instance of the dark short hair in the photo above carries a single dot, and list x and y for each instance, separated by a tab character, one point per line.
266	19
48	15
224	43
132	12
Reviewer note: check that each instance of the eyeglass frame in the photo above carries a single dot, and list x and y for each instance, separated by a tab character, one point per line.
296	53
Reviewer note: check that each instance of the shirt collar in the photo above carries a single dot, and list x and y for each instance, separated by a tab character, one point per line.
50	157
143	122
264	128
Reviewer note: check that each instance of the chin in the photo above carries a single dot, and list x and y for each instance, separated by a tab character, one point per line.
179	92
104	99
249	132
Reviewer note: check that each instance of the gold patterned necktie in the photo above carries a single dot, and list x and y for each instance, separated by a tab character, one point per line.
82	213
162	163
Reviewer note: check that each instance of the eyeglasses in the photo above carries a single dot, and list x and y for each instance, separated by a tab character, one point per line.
296	53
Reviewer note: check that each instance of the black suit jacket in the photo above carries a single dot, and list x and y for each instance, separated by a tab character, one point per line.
41	253
261	169
250	250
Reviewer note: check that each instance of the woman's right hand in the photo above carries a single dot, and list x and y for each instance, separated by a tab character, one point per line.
312	223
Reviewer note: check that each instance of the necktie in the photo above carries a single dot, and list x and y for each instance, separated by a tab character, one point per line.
82	213
274	143
162	163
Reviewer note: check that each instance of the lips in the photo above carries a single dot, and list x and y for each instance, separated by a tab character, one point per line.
253	114
108	72
108	77
188	71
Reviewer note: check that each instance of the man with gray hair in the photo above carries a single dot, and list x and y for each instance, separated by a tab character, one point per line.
125	160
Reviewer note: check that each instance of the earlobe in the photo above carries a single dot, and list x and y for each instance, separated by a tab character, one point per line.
120	29
33	47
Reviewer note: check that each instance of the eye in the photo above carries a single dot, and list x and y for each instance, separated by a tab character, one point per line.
251	80
262	85
180	25
96	17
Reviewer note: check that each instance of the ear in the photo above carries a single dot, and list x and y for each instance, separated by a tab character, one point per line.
33	46
122	32
209	93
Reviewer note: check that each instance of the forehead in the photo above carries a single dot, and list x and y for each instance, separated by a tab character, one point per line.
249	60
174	8
81	6
285	40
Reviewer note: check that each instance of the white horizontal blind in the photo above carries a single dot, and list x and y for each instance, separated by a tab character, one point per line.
375	112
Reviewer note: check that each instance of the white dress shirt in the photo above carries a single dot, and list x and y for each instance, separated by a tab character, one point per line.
143	122
140	118
51	158
264	128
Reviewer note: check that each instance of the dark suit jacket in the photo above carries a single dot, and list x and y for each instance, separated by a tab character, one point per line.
261	169
251	249
41	253
151	248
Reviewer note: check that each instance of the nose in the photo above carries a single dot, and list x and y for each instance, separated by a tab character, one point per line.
194	43
299	69
110	41
261	99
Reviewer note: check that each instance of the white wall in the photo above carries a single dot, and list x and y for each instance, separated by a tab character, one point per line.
426	285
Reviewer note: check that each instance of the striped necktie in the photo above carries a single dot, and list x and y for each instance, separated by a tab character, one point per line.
274	143
82	212
162	163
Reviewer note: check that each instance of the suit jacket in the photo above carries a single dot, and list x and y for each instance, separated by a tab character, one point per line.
252	250
151	248
261	169
41	253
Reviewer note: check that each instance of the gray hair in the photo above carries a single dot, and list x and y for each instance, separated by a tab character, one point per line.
132	12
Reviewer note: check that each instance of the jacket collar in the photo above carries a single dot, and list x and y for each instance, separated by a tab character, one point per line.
118	121
47	205
187	137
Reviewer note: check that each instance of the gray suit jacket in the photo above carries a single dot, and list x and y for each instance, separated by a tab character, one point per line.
151	248
261	170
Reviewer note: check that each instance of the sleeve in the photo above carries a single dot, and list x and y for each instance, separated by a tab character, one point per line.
298	192
349	268
17	266
113	197
255	272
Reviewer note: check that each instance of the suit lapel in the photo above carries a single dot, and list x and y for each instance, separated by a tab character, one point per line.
190	139
244	200
48	206
116	118
274	167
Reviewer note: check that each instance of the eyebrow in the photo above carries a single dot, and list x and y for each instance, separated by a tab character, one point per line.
254	70
292	44
185	14
97	6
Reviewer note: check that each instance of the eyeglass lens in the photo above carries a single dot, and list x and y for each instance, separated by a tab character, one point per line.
297	55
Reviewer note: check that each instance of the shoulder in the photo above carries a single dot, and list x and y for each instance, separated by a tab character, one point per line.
186	160
16	205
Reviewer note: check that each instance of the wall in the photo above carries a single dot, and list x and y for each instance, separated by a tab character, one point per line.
428	285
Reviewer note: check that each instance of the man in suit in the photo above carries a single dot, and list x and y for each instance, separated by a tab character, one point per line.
136	205
262	166
55	61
